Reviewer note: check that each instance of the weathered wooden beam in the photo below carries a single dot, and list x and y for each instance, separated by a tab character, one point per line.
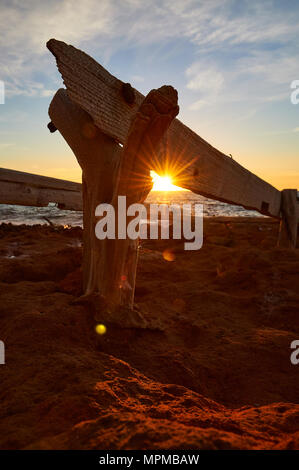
26	189
194	163
108	170
290	218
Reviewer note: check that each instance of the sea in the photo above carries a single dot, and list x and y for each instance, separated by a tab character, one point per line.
53	215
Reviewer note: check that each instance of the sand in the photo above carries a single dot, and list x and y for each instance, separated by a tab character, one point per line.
212	372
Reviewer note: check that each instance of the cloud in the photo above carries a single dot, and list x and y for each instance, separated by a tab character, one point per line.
13	117
247	54
204	78
25	64
5	145
46	93
198	105
229	39
137	79
259	78
249	23
280	132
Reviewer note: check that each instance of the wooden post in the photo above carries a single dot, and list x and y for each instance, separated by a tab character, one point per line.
289	219
108	171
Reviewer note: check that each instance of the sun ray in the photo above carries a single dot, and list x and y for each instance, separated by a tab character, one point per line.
163	183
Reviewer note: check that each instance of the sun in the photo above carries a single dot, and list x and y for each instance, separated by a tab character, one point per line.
163	183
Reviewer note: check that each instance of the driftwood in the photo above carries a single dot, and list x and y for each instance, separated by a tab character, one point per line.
193	163
17	187
289	221
108	170
96	114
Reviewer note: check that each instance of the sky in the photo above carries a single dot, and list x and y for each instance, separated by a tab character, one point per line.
232	63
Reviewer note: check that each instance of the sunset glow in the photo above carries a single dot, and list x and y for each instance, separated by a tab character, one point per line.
163	183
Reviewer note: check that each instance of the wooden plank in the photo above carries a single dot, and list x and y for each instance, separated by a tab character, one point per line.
38	180
193	162
27	189
290	217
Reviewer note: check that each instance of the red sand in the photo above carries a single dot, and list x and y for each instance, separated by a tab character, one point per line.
213	373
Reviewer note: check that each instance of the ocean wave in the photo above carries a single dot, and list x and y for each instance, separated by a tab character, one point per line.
45	215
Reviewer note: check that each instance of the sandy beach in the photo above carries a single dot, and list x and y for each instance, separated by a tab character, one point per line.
213	371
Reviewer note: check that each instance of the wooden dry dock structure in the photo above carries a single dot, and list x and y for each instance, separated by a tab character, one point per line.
118	136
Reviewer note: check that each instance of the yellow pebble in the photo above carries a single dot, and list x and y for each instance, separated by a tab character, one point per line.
101	329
